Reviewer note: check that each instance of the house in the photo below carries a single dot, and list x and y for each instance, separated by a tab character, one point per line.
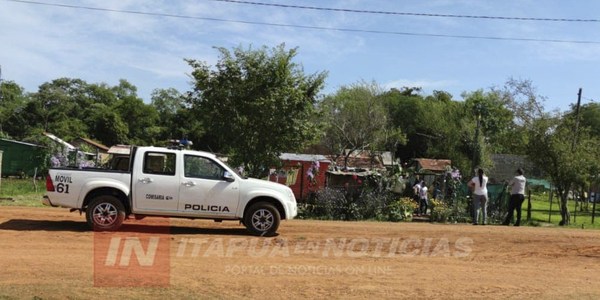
303	173
430	170
20	158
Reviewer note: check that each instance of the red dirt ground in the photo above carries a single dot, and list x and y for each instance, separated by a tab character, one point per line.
49	253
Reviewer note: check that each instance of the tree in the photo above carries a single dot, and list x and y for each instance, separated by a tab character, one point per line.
255	104
564	155
521	98
59	107
493	125
12	102
140	118
435	126
169	103
590	117
108	127
355	118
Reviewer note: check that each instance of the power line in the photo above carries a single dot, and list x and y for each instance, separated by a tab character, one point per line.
410	13
308	26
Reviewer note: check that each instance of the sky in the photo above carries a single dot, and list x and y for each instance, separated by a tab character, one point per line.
395	43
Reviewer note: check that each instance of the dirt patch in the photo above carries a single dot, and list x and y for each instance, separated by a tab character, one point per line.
50	253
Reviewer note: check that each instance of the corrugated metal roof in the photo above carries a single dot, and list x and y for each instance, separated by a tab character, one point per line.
434	164
22	143
303	157
361	159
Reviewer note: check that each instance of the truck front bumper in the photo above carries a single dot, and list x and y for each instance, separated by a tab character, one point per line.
292	210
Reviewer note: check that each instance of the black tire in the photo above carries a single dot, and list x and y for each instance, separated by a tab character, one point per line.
262	219
105	213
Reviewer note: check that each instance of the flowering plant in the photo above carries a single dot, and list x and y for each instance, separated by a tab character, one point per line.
402	209
313	172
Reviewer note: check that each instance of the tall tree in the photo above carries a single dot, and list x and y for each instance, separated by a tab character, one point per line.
58	107
564	155
590	117
108	126
169	103
140	118
355	118
255	103
13	100
436	126
493	123
520	96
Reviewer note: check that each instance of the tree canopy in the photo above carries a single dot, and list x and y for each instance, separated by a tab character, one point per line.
355	118
255	104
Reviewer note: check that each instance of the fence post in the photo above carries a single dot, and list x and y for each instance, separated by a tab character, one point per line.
528	206
550	210
575	209
1	170
594	208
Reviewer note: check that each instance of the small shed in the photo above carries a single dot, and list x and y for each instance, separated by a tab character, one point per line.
303	173
432	166
430	169
20	158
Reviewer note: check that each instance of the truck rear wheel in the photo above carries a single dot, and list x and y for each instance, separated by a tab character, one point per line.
105	213
262	219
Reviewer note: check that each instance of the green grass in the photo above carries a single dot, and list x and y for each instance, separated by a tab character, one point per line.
540	211
21	192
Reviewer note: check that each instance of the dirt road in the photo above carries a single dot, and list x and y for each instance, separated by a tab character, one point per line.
50	253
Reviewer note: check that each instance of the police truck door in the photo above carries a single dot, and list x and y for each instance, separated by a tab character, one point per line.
204	190
156	184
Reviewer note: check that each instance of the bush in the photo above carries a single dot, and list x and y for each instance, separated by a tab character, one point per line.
440	211
401	210
340	204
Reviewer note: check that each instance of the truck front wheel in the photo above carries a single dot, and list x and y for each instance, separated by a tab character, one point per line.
262	219
105	213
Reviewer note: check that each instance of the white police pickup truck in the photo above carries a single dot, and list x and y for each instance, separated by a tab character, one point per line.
165	182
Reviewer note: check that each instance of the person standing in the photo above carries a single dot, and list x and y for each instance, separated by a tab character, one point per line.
517	196
423	203
479	186
417	191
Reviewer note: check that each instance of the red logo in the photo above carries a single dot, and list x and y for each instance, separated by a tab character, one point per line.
138	255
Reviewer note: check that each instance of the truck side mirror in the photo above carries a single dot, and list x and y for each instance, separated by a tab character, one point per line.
228	177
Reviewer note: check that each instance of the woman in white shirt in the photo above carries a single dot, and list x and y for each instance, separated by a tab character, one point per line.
479	186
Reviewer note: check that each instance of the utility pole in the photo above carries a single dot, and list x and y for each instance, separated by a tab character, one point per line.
575	133
577	117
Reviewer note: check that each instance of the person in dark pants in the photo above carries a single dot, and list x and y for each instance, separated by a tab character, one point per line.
517	196
424	202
